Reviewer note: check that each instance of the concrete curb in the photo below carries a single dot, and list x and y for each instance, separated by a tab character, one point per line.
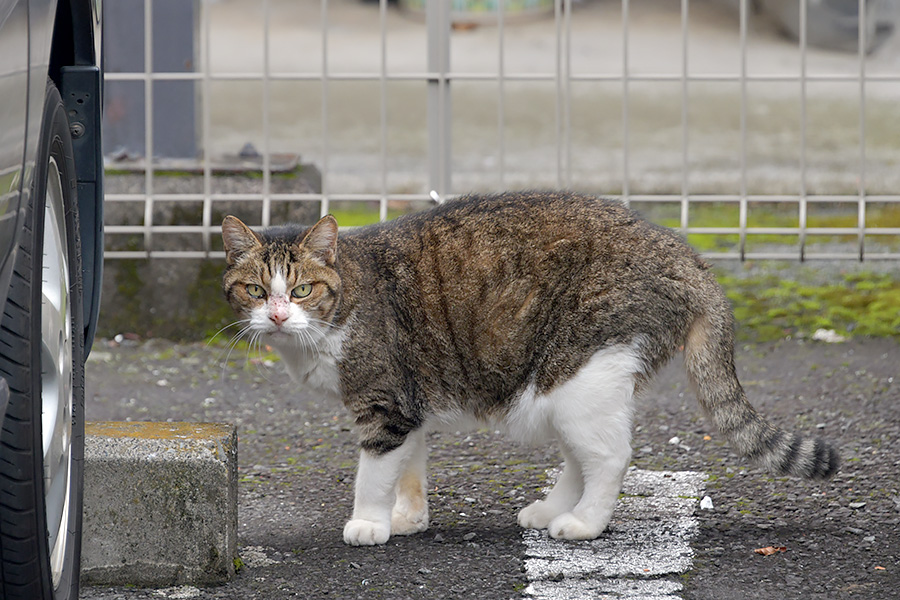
160	503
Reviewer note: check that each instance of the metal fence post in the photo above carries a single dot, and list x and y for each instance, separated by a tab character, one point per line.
437	21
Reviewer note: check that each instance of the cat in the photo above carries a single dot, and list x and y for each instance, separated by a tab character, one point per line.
541	313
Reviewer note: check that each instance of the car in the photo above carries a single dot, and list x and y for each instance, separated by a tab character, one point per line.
51	244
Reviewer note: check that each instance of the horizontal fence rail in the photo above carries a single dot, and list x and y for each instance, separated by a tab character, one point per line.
394	105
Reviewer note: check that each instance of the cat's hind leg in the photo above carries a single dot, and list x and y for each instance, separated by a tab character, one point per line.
377	478
410	512
603	477
562	498
593	416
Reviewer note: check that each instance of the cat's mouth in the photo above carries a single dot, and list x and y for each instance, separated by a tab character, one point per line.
282	335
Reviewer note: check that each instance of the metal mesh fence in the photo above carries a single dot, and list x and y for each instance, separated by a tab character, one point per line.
703	115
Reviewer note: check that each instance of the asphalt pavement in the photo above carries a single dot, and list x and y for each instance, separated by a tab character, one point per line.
834	539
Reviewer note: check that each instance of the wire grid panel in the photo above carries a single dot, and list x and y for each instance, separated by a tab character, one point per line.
699	115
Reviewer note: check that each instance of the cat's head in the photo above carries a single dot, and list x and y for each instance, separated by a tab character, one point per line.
283	281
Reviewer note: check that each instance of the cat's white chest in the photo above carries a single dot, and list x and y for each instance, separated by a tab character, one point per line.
316	368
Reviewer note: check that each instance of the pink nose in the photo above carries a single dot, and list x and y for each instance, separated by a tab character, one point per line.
279	310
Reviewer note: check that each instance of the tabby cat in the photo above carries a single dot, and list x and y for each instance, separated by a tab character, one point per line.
542	314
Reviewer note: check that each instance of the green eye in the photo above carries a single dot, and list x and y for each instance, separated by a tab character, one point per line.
256	291
302	291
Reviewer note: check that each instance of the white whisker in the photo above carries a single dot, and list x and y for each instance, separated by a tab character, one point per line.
229	326
321	323
233	342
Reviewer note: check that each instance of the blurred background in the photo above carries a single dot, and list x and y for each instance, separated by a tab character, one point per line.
762	129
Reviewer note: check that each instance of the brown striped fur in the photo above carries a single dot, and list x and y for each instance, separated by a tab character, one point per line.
459	308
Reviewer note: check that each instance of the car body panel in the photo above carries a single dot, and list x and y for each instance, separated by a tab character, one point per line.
59	39
81	85
13	120
81	92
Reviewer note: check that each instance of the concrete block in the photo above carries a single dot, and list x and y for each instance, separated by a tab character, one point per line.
160	503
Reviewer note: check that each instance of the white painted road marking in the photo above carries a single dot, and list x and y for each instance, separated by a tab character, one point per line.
647	544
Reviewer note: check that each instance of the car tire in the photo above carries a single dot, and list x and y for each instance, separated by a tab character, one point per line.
42	361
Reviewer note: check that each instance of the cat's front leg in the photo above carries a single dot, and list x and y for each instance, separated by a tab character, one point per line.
410	513
375	494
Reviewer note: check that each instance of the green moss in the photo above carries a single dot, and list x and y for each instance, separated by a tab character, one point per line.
210	311
204	315
129	285
769	307
250	173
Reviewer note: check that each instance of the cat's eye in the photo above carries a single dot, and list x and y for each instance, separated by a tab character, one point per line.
256	291
302	291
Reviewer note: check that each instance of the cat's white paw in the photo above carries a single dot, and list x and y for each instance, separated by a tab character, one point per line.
359	532
537	515
567	526
406	524
406	520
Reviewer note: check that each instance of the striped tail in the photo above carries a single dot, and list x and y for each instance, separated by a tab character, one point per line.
709	358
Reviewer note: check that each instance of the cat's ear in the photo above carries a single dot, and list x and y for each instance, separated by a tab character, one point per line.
238	239
321	240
